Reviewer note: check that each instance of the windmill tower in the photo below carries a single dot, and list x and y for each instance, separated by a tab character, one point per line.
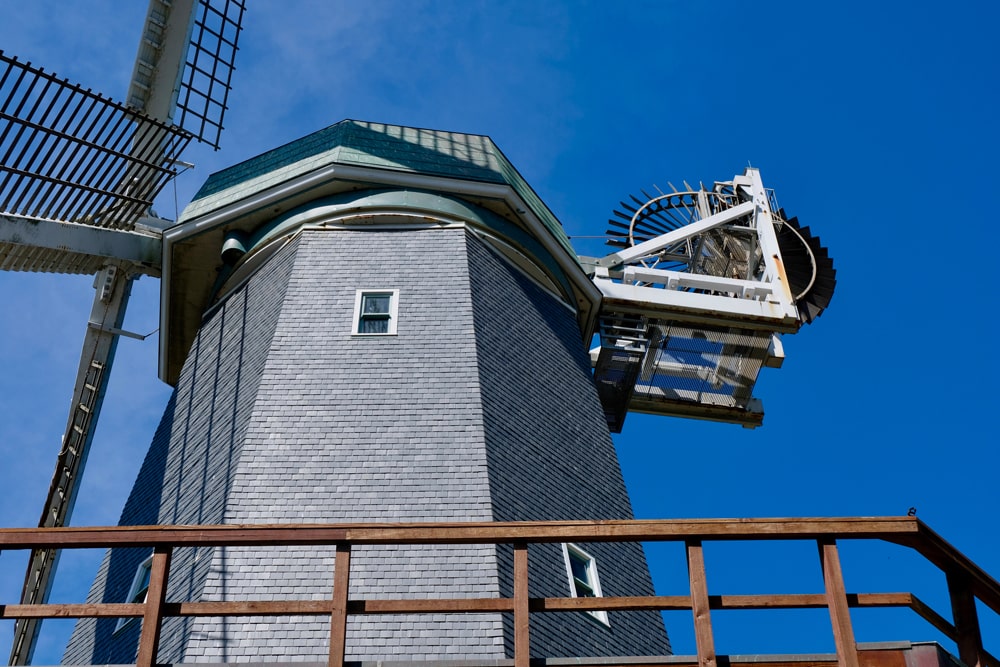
379	323
383	324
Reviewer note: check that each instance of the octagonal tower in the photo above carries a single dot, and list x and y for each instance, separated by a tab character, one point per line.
375	323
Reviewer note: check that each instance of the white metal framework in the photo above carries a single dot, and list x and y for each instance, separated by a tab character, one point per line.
694	301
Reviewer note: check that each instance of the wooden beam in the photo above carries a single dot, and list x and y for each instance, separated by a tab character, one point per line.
836	600
967	581
939	551
963	610
522	643
700	605
932	617
472	605
891	528
338	616
103	610
152	619
623	603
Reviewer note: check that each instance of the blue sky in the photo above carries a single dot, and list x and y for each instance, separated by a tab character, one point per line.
876	123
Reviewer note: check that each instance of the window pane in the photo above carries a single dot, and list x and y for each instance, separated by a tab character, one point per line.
141	583
374	325
582	589
376	304
579	566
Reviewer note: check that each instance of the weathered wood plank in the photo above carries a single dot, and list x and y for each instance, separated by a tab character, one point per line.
963	610
103	610
522	645
338	615
459	533
704	640
152	619
623	603
471	605
836	600
932	617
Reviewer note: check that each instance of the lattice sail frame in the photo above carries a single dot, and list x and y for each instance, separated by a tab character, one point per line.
72	155
693	305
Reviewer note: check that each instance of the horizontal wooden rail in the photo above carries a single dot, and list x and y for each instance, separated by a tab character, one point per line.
895	529
965	579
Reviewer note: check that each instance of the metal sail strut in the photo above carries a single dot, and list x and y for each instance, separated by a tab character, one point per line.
112	286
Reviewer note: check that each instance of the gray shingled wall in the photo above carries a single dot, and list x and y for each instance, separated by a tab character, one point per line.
352	428
551	457
480	408
188	470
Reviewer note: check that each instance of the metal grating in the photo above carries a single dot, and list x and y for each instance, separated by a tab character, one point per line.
674	368
619	362
16	257
706	365
73	155
207	77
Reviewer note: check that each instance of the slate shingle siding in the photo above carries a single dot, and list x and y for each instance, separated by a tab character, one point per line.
551	457
480	408
188	470
377	428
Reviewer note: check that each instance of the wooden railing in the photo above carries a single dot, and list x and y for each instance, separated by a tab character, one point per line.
966	581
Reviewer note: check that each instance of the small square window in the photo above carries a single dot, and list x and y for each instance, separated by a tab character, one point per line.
138	590
375	312
583	582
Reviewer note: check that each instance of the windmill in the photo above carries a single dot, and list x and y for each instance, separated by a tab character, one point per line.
80	172
634	327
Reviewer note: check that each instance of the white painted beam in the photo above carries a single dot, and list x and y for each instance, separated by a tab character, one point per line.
662	241
159	63
658	302
672	280
140	250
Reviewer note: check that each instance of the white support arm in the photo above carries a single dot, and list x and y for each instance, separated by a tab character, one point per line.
751	289
664	240
141	250
655	301
764	223
159	63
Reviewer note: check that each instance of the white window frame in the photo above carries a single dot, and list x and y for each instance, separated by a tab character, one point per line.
140	577
359	299
594	583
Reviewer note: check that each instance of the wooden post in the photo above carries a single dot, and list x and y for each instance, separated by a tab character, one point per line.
152	617
522	647
704	640
338	617
836	601
966	619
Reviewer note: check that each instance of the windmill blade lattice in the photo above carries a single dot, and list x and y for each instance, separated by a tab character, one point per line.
73	155
209	72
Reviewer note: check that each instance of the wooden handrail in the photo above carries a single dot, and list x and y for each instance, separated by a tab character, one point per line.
895	529
966	580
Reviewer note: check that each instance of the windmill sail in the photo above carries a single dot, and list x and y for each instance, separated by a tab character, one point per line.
75	168
78	173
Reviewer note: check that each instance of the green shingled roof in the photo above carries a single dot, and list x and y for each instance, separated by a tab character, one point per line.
374	145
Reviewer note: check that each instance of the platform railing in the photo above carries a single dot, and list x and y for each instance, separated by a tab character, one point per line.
966	582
